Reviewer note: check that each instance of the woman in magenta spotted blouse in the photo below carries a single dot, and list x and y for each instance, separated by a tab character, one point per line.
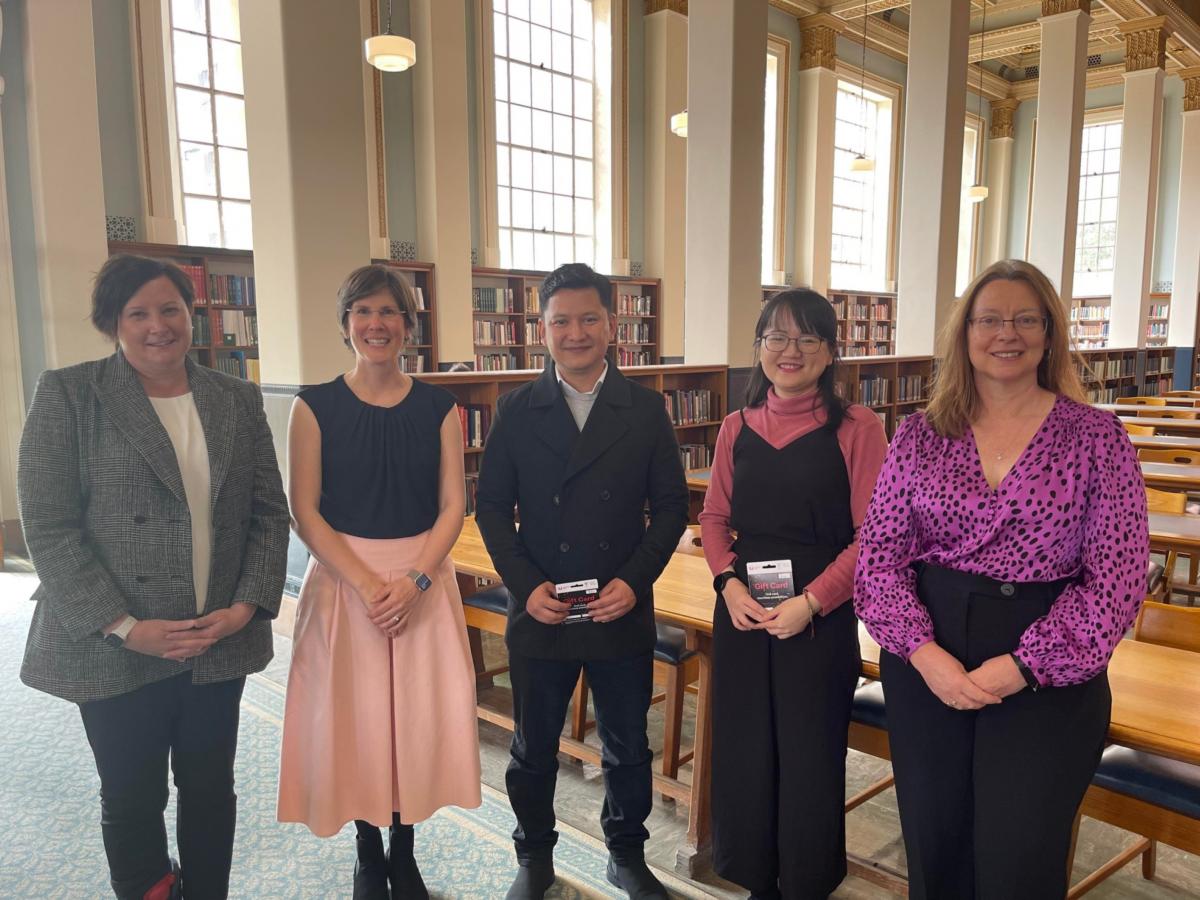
1002	559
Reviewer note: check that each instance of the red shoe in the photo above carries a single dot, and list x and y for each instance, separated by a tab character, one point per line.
168	887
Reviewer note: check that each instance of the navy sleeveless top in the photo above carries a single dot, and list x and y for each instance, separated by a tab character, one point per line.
379	465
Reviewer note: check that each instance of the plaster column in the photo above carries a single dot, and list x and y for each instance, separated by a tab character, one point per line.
306	135
1137	197
1185	280
931	186
727	46
68	186
443	151
814	156
1061	87
665	201
999	181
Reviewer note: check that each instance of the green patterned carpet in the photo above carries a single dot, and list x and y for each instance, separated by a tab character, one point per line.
50	843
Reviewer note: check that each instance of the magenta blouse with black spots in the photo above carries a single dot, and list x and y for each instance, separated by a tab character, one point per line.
1072	506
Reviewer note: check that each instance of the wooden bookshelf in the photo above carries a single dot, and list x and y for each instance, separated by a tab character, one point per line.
866	323
225	316
506	316
893	387
1158	319
421	353
1158	371
477	393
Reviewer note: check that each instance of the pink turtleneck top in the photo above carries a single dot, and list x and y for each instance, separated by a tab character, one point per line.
780	421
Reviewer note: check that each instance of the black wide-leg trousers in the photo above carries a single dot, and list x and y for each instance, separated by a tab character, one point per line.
988	798
781	713
133	736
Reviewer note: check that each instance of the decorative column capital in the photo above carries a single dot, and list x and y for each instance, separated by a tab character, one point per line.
818	41
1191	88
1002	118
1054	7
1145	43
653	6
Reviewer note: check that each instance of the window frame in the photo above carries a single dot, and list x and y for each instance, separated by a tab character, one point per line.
895	94
1105	115
976	124
781	48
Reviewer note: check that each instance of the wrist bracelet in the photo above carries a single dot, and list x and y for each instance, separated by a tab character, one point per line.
1030	679
814	608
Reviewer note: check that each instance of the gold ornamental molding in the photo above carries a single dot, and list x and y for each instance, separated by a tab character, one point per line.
818	41
1145	43
1054	7
653	6
1002	118
1191	88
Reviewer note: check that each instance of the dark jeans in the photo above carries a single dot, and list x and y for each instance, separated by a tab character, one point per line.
133	736
541	691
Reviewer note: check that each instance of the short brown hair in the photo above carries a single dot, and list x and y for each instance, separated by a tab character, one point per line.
954	402
367	281
124	275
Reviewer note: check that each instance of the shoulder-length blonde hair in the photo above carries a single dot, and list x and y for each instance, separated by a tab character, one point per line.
954	402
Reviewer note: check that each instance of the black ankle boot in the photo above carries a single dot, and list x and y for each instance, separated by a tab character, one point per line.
370	869
402	870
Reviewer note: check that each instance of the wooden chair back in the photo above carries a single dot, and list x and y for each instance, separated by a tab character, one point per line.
689	542
1178	457
1160	412
1169	626
1139	430
1165	501
1144	401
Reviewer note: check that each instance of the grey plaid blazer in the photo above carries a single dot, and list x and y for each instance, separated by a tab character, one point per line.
107	525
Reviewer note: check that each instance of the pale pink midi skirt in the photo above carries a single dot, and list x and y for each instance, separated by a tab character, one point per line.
374	725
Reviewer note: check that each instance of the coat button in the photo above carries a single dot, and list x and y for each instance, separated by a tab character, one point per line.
604	545
1007	589
139	520
556	500
564	547
605	495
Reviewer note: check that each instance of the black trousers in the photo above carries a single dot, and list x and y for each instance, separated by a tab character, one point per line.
132	737
987	798
781	711
621	693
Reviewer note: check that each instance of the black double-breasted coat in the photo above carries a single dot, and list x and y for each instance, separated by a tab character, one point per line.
582	499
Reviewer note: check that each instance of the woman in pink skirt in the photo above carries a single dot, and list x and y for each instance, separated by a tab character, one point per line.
380	719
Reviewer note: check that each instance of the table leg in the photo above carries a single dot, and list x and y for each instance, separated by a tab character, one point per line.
695	856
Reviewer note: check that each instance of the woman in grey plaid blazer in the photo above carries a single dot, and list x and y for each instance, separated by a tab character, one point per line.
154	514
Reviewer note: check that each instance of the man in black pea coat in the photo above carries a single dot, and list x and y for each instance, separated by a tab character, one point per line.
581	452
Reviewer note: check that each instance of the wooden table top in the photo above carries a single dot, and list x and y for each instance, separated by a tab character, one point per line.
1183	426
1165	441
1132	409
1171	475
1175	531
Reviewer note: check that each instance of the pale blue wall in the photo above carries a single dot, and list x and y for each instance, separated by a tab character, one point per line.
116	95
1168	181
400	169
20	198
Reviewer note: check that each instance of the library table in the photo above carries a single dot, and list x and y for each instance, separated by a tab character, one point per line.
1156	690
1132	409
1189	427
1164	442
1175	476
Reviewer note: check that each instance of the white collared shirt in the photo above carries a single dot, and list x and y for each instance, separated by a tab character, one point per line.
580	402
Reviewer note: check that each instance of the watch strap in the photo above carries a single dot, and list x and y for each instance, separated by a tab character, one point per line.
722	579
1026	673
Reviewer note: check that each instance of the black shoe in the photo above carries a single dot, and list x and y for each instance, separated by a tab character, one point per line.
402	872
370	869
768	894
534	878
632	875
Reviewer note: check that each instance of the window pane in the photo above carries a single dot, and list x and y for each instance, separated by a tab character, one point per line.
193	114
191	58
562	134
506	259
502	165
543	172
197	169
235	173
561	16
202	221
227	66
522	251
543	251
1111	183
236	219
499	5
539	46
501	85
583	216
564	171
583	99
564	214
1112	160
518	84
502	121
540	92
562	94
503	202
539	12
500	34
1108	210
543	211
518	40
1091	211
564	249
543	132
231	121
585	250
225	22
583	139
583	58
561	47
521	126
522	168
582	20
583	178
188	14
522	209
519	8
1112	135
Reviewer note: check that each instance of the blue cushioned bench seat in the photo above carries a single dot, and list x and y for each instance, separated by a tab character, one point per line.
1154	779
868	706
493	599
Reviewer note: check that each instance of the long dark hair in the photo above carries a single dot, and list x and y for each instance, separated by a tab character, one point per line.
812	314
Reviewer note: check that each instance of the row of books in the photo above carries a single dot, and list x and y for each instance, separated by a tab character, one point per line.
864	349
419	296
873	391
536	360
695	456
1156	330
495	362
533	332
627	357
492	300
412	362
533	301
476	419
691	407
237	290
1102	395
1156	364
1089	313
238	364
634	333
234	328
634	305
496	333
1090	330
909	388
1159	310
472	486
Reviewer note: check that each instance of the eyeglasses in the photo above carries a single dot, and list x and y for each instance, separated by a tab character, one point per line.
1027	323
777	342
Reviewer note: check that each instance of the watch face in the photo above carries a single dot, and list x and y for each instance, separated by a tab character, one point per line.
114	640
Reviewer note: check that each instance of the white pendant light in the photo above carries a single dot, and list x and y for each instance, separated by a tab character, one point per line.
978	192
862	162
679	124
390	52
